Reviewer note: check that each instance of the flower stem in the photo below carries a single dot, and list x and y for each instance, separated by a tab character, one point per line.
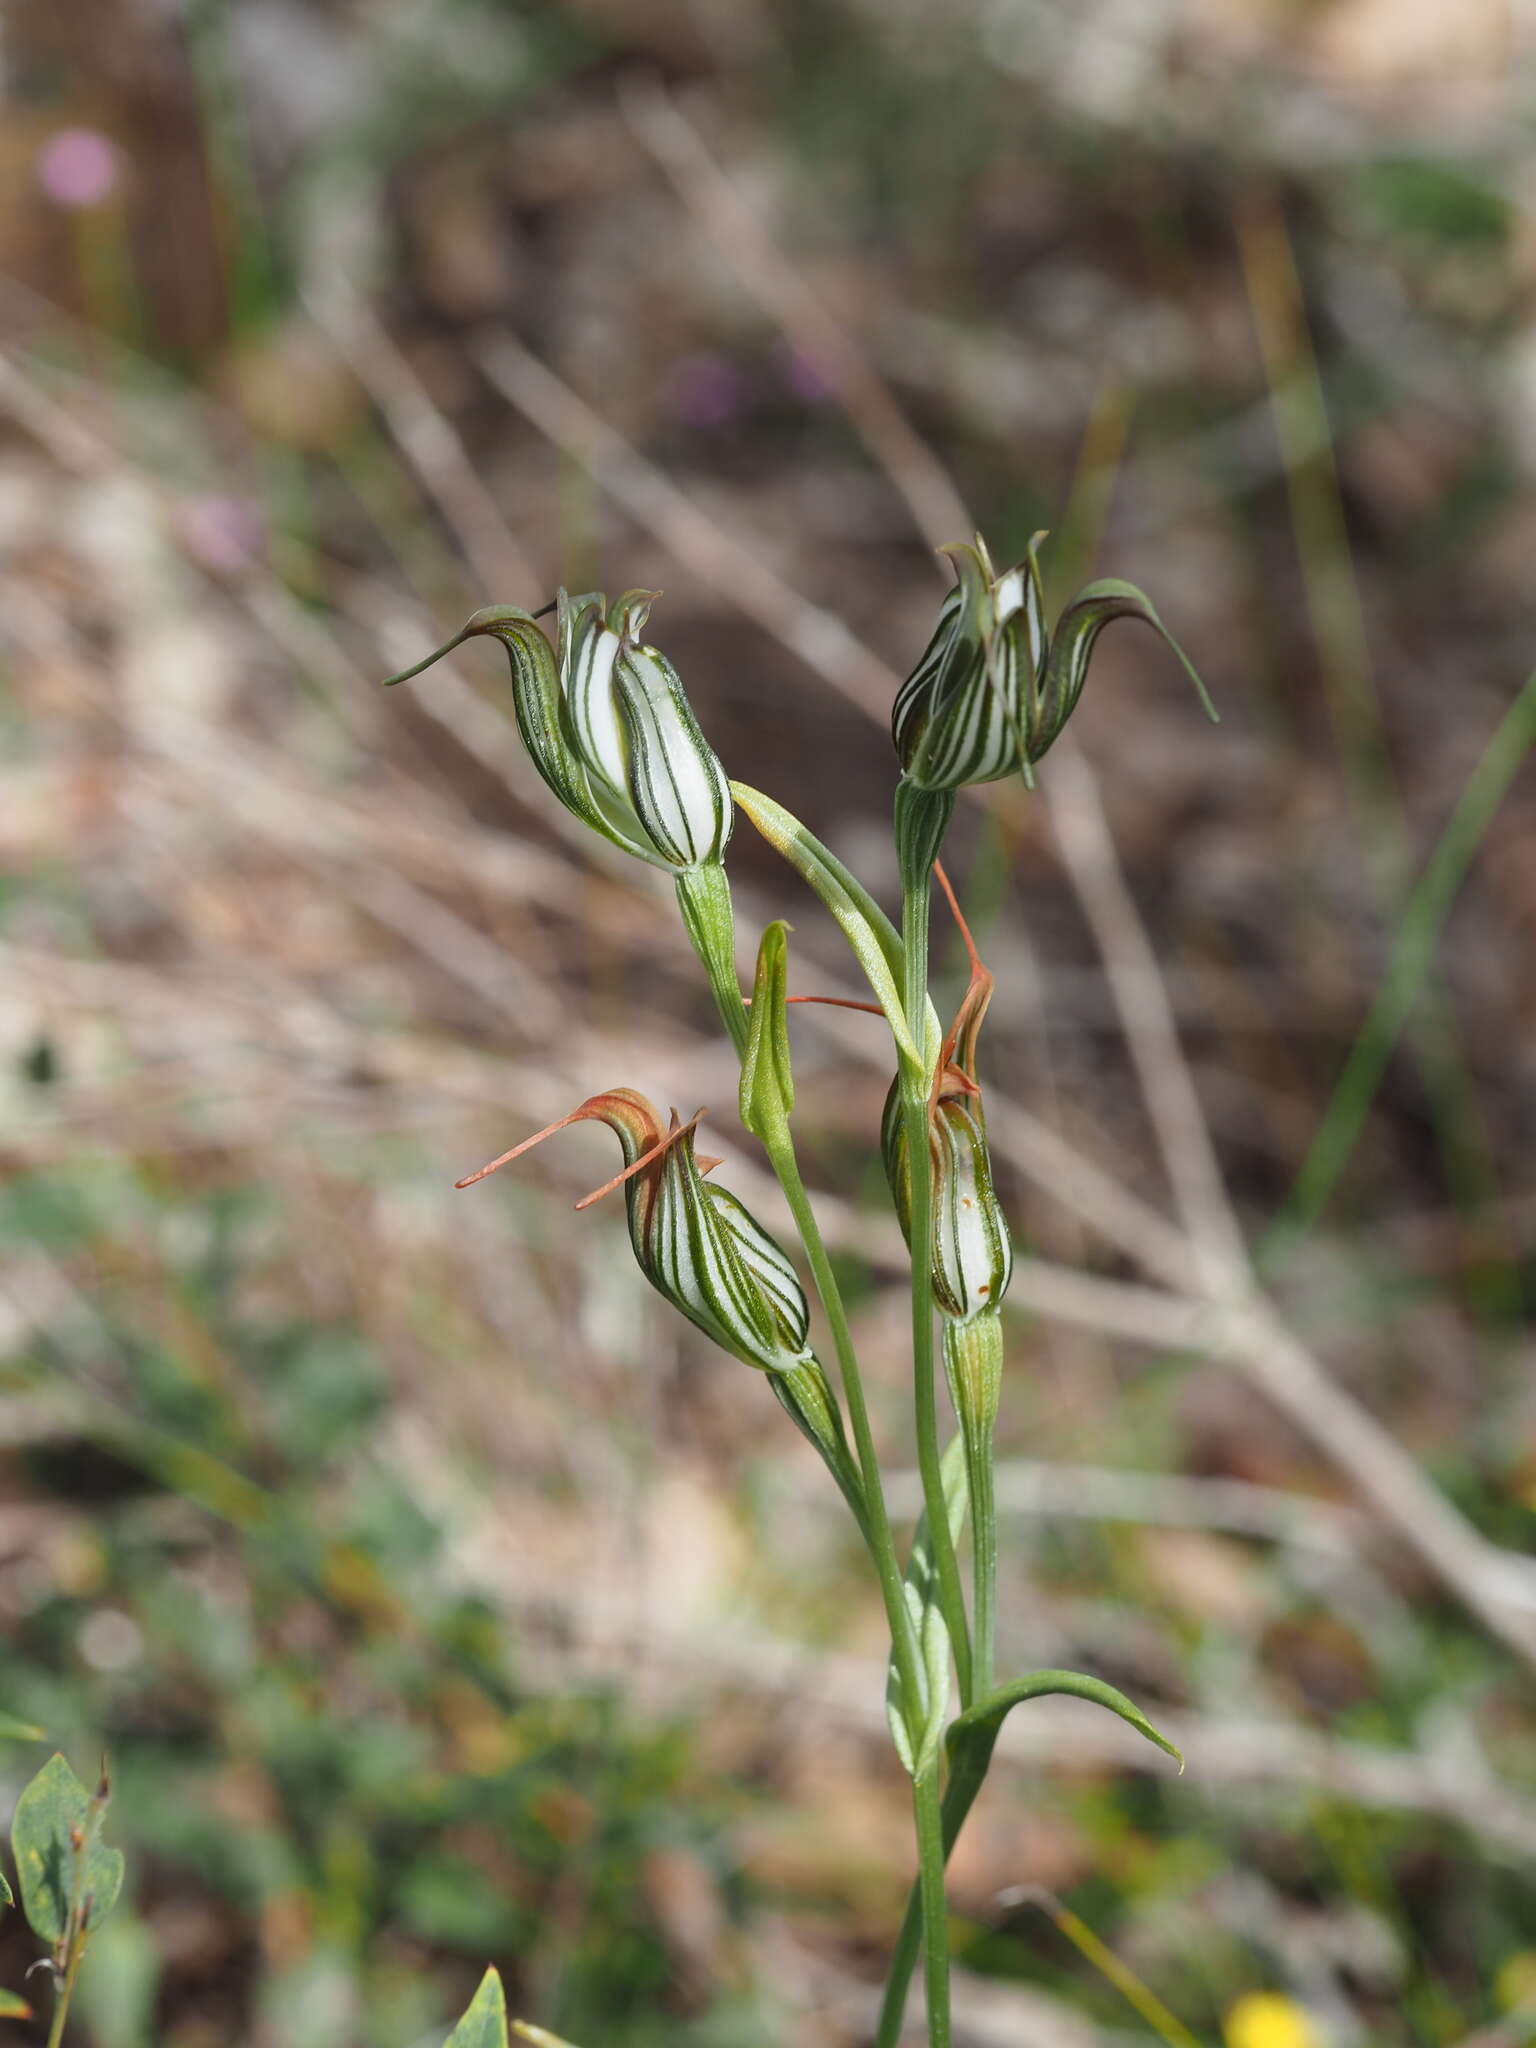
984	1567
65	1992
704	898
935	1916
925	1403
973	1366
968	1767
876	1524
921	820
807	1398
914	1106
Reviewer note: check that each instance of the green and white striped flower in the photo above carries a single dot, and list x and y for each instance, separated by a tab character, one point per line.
972	1250
959	716
609	726
697	1244
993	687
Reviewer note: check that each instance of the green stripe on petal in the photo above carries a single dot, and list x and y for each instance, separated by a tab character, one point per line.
1072	645
674	779
609	727
992	689
588	651
962	716
972	1251
769	1264
699	1245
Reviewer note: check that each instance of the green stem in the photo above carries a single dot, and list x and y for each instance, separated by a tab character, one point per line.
968	1765
968	1768
984	1566
925	1404
931	1854
806	1397
66	1991
973	1365
876	1524
970	1742
704	898
914	1109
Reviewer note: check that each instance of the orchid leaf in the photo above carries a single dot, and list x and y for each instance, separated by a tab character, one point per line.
874	940
970	1740
983	1722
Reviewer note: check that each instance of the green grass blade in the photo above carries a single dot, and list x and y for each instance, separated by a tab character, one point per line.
1412	956
1139	1996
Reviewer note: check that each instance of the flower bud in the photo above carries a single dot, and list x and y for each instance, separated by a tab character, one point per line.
609	727
648	763
993	688
972	1253
962	716
697	1244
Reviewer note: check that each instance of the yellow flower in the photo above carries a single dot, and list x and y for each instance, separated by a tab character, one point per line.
1268	2019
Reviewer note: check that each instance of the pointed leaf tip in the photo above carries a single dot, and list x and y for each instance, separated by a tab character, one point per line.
987	1716
485	2023
405	674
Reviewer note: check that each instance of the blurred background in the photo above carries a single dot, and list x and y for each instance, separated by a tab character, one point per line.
439	1597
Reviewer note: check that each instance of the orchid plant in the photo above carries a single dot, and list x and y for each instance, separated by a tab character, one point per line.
610	730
